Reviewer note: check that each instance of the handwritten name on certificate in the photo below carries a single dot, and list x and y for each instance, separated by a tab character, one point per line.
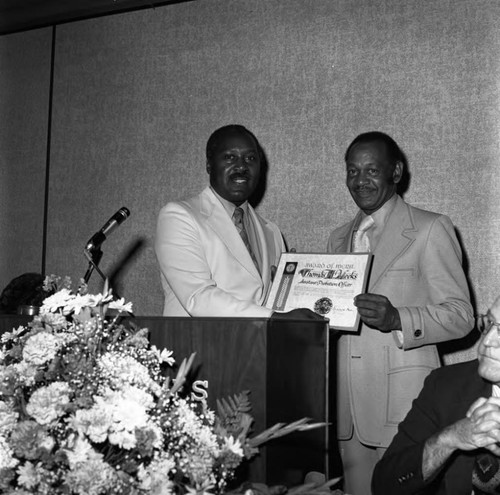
324	283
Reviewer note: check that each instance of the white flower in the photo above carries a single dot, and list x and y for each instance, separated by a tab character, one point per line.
56	301
55	320
7	460
78	303
121	370
100	299
28	476
11	335
8	418
115	415
47	443
48	403
123	438
94	422
91	477
155	478
129	414
27	373
166	356
40	348
121	306
233	445
194	427
80	451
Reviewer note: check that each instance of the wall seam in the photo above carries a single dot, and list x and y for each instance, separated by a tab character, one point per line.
47	157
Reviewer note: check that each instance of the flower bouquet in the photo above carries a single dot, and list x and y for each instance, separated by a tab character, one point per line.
88	406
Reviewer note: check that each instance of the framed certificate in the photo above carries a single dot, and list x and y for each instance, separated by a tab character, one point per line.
324	283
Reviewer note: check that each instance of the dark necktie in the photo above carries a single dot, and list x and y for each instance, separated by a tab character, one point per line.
486	474
240	227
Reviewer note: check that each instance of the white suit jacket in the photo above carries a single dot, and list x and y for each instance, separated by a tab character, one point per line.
417	265
206	269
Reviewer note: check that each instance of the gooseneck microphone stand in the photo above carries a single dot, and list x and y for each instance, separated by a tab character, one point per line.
93	250
94	256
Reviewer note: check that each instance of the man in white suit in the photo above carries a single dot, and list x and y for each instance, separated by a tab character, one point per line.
417	296
211	266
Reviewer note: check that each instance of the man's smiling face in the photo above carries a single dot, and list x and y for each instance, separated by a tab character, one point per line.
370	176
234	167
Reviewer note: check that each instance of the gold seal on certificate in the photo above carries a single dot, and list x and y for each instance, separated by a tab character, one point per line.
324	283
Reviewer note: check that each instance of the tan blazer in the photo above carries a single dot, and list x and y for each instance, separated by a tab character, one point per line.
206	269
417	265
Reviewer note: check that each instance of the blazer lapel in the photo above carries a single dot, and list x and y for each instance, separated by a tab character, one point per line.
343	241
218	220
402	232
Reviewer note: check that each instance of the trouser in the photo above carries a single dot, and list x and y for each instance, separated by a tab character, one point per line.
358	461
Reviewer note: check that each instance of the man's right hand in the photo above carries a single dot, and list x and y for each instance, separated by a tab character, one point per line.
479	429
484	415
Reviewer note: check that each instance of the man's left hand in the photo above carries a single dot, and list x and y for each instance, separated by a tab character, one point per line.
377	311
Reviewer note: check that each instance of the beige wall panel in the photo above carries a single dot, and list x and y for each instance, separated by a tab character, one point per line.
137	95
24	103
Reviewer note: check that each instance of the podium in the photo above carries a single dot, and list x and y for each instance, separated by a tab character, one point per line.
286	365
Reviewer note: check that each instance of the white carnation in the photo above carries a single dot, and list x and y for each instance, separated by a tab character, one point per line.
48	403
7	459
8	418
40	348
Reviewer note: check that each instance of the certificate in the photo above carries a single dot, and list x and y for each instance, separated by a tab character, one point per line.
324	283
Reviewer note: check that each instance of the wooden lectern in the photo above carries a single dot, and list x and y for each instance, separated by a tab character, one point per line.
286	365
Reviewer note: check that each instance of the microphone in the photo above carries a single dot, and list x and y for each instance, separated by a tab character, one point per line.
99	237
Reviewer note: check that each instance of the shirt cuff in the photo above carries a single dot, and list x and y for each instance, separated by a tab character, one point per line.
398	337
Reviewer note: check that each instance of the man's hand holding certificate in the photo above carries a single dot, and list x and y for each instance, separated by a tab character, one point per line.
324	283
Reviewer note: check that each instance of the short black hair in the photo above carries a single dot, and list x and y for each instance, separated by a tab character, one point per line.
215	137
393	150
26	289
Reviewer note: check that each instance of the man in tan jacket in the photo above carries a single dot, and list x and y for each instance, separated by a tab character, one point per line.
417	296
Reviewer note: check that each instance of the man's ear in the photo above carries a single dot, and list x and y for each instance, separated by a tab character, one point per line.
209	168
397	173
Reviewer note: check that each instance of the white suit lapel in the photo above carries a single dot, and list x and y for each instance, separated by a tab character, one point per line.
219	221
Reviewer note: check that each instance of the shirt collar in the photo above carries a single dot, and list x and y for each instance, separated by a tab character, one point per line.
382	214
228	206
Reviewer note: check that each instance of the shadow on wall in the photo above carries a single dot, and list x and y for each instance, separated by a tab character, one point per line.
404	183
260	190
122	266
465	348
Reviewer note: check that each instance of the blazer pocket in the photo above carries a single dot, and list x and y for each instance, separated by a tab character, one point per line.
406	372
400	273
399	285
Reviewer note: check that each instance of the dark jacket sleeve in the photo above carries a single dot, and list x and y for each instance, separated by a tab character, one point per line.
445	398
